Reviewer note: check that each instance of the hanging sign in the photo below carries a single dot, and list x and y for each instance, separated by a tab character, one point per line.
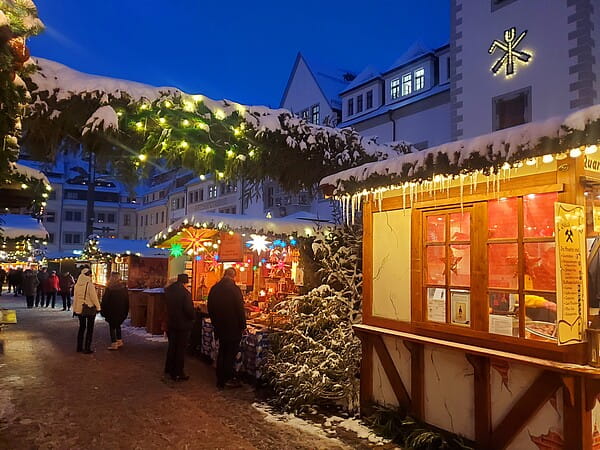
571	273
510	52
231	248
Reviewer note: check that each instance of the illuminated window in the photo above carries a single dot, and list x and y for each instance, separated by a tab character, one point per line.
419	79
315	114
212	191
395	88
406	84
304	115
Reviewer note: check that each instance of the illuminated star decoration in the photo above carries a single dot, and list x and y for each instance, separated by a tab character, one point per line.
194	239
176	250
258	243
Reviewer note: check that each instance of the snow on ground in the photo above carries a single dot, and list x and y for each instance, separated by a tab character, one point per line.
328	429
128	330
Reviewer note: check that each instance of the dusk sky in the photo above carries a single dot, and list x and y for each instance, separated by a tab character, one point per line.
240	50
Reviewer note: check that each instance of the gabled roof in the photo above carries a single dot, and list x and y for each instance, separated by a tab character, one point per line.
330	81
369	73
416	51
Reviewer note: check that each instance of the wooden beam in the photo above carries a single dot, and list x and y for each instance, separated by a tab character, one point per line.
592	391
391	372
482	405
417	374
366	375
577	420
532	400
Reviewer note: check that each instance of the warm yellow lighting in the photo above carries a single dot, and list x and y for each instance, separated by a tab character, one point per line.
142	157
162	120
184	144
144	106
24	186
197	98
185	123
237	131
48	187
575	153
220	174
258	243
203	177
591	149
45	195
168	104
139	125
119	113
506	166
189	106
208	149
230	153
531	162
251	153
547	159
561	156
219	114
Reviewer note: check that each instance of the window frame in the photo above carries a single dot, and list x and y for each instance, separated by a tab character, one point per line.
419	81
395	88
369	99
406	84
350	107
315	113
359	103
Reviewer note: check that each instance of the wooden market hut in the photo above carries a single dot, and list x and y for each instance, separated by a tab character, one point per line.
22	239
477	257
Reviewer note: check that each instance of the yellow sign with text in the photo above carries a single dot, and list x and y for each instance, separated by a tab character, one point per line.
571	279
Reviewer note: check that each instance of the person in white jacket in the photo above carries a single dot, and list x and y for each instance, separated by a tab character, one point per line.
85	292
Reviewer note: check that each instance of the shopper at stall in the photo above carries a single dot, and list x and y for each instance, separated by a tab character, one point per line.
115	307
180	317
85	307
66	285
51	287
18	281
2	278
228	316
42	276
10	279
30	284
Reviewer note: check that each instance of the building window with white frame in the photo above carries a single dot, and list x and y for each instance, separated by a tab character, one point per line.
212	191
350	106
395	88
315	114
370	99
304	114
419	79
406	84
359	103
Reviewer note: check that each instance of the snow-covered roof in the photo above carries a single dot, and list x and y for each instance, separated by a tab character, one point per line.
50	256
551	136
28	172
415	51
298	223
129	247
369	73
18	226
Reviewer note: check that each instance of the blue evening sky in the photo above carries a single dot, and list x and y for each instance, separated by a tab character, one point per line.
240	50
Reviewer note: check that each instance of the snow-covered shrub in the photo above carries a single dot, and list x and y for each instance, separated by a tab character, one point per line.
316	360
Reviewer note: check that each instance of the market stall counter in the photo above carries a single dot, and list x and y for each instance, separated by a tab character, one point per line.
156	312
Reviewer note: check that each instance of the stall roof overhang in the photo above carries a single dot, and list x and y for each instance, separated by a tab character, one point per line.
12	192
129	247
299	223
487	153
17	226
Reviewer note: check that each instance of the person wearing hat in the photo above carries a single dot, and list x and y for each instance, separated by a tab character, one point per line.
85	294
180	313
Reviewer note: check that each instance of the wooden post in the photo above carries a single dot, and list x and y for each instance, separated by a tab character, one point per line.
577	422
482	406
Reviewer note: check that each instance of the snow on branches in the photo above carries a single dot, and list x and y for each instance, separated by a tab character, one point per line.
316	360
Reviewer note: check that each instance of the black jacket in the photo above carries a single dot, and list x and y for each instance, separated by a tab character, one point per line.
115	304
180	308
226	310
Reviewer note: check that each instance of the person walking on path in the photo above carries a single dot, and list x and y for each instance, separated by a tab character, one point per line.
42	276
66	283
10	277
51	287
228	317
85	294
18	281
2	278
180	318
30	284
115	307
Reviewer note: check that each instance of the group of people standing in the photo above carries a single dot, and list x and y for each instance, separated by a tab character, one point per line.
41	288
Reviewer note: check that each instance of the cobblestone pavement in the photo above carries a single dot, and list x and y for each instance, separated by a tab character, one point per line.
54	398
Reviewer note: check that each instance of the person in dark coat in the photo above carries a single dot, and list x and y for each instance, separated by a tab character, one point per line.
180	318
51	287
2	278
10	278
66	284
18	281
30	284
42	276
228	317
115	307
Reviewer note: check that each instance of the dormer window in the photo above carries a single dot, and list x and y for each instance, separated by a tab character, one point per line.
359	103
369	99
350	106
395	88
406	84
419	79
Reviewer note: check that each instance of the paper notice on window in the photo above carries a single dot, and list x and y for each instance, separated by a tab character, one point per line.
436	305
501	324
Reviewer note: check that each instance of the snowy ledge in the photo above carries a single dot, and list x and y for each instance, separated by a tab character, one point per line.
487	154
17	226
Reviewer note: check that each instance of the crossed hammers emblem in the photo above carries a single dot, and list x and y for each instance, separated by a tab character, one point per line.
509	47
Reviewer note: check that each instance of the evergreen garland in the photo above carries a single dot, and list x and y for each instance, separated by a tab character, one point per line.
316	360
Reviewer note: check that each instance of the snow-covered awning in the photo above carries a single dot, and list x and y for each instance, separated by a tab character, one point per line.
16	226
484	153
126	247
300	223
29	173
65	254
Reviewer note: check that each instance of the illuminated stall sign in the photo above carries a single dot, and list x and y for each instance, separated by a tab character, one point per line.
231	248
571	268
510	52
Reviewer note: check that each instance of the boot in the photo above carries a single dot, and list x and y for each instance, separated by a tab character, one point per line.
113	346
119	342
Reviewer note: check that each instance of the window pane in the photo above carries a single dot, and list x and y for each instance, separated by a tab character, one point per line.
538	214
503	266
540	312
504	317
540	266
460	226
460	312
436	304
435	265
503	218
436	228
460	265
